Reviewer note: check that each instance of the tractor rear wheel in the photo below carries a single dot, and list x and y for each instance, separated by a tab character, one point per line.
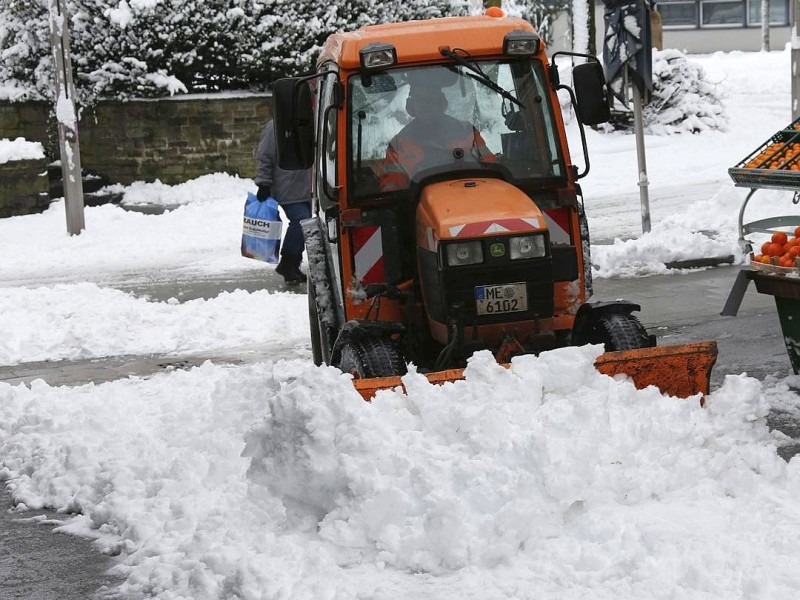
372	357
621	331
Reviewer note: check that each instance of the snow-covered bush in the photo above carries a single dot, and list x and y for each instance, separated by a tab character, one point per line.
359	13
26	65
141	48
541	14
683	100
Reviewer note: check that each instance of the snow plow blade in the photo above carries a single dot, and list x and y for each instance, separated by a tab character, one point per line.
681	370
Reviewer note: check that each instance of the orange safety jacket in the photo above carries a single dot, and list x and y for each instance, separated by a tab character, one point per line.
405	154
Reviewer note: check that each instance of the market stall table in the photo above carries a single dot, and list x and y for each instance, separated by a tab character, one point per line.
773	165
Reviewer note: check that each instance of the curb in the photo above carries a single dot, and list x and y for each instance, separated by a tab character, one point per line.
696	263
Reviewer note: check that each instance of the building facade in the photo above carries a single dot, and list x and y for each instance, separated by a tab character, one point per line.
706	26
702	26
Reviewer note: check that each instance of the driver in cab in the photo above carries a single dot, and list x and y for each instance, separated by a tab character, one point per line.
431	139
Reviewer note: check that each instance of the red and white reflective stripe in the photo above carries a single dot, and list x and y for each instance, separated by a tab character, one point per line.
368	254
558	223
495	226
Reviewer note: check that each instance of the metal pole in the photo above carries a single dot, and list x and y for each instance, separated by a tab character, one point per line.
67	118
638	123
795	61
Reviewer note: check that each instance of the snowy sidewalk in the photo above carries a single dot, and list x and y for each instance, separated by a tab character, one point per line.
101	370
110	368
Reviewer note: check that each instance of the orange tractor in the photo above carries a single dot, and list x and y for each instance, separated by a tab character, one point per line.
447	214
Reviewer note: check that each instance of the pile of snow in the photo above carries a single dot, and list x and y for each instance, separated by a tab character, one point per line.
545	480
83	320
206	188
19	149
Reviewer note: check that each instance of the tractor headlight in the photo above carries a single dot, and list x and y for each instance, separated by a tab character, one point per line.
464	253
527	246
519	42
377	55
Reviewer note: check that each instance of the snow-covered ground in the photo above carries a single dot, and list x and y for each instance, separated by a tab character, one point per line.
275	480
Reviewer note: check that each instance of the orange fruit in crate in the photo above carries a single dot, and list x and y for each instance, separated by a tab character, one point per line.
766	260
797	232
775	249
794	252
786	262
765	247
779	238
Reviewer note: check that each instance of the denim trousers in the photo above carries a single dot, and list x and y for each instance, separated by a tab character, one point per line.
293	242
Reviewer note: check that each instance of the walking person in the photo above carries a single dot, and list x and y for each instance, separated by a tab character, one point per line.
292	191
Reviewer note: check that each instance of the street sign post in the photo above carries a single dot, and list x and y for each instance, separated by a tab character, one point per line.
627	56
67	117
644	190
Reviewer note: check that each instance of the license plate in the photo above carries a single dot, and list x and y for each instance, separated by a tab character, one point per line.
499	299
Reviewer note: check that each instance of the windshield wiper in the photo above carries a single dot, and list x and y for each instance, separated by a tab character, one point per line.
478	75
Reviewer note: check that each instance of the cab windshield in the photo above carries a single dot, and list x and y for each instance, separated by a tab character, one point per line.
411	122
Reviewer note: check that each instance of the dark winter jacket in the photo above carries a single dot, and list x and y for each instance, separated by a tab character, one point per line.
287	187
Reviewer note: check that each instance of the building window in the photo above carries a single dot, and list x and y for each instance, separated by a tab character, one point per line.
721	13
678	14
686	14
778	12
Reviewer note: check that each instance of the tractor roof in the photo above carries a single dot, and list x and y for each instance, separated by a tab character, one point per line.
418	41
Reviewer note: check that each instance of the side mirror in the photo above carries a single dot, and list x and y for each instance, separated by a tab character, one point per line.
293	114
590	93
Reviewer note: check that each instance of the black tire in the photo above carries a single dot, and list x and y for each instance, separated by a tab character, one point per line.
313	321
621	331
371	357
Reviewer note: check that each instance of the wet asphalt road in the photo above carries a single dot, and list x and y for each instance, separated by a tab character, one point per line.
38	564
686	307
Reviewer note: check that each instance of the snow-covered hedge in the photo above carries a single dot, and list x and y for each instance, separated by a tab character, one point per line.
144	48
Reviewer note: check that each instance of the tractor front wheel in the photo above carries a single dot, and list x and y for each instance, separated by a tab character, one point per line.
371	357
621	331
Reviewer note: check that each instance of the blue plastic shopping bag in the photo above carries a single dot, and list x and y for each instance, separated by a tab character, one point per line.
261	233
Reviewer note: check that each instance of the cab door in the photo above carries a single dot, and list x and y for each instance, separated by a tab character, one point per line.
325	184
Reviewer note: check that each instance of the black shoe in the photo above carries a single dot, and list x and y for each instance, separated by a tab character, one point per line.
299	276
298	273
289	268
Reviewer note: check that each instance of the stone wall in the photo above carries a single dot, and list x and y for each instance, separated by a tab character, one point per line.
172	139
29	120
23	187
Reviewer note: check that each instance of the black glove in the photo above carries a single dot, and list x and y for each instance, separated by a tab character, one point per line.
263	192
